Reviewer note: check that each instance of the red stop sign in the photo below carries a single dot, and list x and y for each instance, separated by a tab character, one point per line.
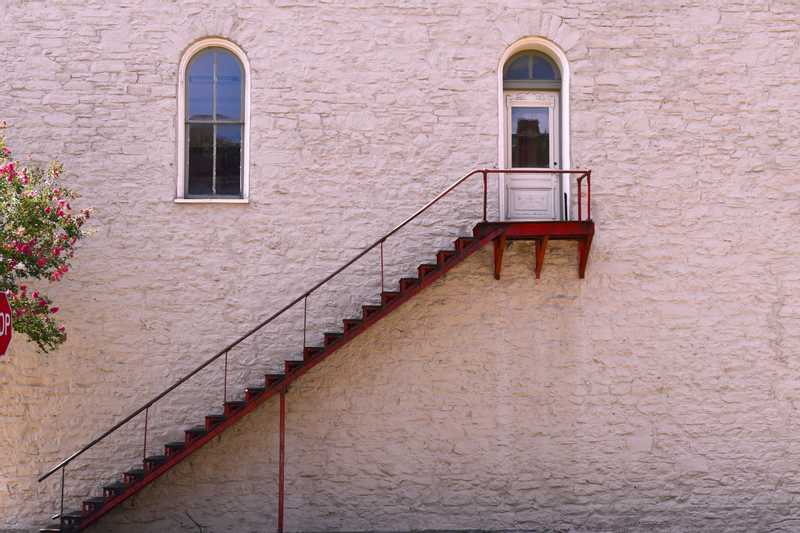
5	324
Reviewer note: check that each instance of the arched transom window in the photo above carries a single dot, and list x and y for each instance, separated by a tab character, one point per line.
214	162
531	70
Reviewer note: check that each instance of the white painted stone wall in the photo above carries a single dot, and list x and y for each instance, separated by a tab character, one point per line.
659	393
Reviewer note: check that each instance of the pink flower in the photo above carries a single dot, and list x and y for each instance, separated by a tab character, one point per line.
41	262
47	210
54	309
61	329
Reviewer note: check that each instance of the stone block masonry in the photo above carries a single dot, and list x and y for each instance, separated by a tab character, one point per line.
658	394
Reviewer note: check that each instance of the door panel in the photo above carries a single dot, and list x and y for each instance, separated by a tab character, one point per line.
532	141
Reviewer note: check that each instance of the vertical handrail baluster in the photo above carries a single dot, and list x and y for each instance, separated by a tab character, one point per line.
589	195
144	445
225	382
61	511
382	285
305	320
485	194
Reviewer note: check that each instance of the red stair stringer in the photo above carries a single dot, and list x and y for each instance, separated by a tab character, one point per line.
451	261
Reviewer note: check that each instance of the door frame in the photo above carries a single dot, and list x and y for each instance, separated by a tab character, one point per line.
553	51
537	99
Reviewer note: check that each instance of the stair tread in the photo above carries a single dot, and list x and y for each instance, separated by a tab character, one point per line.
176	444
115	485
96	499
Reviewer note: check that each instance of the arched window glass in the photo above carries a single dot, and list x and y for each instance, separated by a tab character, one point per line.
531	70
215	125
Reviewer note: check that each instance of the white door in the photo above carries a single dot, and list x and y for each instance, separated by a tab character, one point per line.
532	141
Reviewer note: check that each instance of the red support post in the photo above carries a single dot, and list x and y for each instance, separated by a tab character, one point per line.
580	187
281	461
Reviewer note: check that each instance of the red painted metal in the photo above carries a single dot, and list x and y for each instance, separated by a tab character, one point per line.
225	381
487	236
282	461
6	327
542	232
485	193
382	284
390	300
144	446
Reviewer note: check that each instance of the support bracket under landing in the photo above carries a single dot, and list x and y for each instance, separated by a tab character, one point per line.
541	233
499	248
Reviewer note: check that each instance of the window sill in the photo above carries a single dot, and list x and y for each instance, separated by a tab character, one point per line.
211	201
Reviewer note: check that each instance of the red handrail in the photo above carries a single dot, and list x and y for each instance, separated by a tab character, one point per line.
483	171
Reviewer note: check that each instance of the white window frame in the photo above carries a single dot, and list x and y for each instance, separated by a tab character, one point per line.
180	191
554	52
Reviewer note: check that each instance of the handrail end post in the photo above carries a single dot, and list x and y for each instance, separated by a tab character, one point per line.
485	193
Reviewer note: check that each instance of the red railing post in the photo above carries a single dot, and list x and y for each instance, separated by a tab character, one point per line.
484	194
305	319
281	460
144	446
225	382
589	195
580	187
61	512
382	285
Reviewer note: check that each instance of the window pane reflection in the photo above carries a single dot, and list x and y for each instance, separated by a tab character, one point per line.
229	87
518	69
201	80
542	69
530	137
229	157
200	158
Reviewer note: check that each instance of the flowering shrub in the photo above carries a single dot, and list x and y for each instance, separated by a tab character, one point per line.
38	234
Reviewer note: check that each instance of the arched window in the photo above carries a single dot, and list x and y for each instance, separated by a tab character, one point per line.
531	70
214	123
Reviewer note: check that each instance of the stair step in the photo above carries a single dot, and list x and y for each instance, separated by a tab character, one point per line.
292	365
213	421
273	379
389	296
172	449
426	269
444	256
194	433
154	461
251	393
369	310
72	518
463	242
331	337
233	406
92	504
408	283
132	476
351	324
114	489
310	352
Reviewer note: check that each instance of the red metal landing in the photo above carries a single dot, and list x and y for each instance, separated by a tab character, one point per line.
541	232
